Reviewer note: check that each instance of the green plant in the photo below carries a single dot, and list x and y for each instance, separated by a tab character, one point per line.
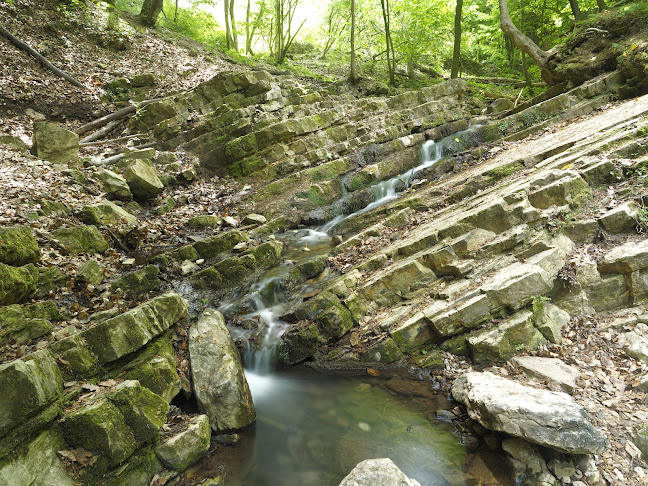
538	304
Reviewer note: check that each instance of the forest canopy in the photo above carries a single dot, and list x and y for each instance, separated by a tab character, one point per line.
395	40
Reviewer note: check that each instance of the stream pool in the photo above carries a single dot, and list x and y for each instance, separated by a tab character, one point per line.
313	428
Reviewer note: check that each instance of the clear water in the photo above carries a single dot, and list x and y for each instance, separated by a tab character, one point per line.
312	430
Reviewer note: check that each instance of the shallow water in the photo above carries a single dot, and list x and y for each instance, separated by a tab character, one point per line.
312	429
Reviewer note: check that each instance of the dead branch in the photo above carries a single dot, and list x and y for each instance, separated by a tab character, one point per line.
107	142
100	122
100	133
37	55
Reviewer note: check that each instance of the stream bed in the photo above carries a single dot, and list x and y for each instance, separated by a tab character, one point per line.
313	428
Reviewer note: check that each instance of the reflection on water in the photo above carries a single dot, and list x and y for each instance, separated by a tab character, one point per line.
312	429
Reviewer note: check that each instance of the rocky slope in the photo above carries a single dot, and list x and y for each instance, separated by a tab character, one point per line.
524	237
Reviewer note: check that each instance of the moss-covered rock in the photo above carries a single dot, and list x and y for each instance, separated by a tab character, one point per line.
181	450
37	462
55	144
15	142
106	212
28	385
100	428
385	351
142	180
505	340
204	221
49	280
17	327
81	239
75	358
114	185
216	245
267	254
90	272
144	411
127	332
17	284
300	342
139	281
18	246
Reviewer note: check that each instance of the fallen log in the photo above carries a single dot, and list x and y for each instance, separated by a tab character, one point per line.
104	120
100	133
106	142
37	55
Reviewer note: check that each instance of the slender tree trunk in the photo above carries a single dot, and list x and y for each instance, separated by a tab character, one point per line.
578	15
521	41
150	11
228	31
248	37
175	14
456	53
391	68
601	5
525	69
352	75
233	25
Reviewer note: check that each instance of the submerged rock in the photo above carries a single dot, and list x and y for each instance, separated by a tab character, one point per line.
378	472
549	419
219	382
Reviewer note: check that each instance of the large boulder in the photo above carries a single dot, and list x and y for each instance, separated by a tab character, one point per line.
219	382
550	419
18	246
181	450
55	144
378	472
550	370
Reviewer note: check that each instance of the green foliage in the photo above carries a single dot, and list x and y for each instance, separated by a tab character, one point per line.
195	23
538	305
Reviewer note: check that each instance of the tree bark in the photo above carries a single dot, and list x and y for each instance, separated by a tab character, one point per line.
352	75
150	11
601	5
522	42
391	62
233	25
37	55
456	54
578	15
228	31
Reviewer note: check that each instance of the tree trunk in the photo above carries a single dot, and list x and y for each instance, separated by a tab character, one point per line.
352	75
228	31
522	42
248	37
390	58
233	25
578	15
601	5
456	54
150	11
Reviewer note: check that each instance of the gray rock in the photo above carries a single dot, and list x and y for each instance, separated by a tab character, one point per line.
628	258
255	219
114	185
528	464
552	370
377	472
549	320
622	219
499	343
516	285
550	419
55	144
181	450
637	343
640	439
219	382
570	189
106	212
91	272
81	239
142	180
15	142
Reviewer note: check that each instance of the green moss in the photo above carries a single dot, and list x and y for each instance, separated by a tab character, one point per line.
241	147
204	221
18	246
268	254
300	342
504	171
81	239
75	359
17	284
219	244
139	281
144	411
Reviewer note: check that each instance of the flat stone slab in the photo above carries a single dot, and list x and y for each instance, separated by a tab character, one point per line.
552	370
550	419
